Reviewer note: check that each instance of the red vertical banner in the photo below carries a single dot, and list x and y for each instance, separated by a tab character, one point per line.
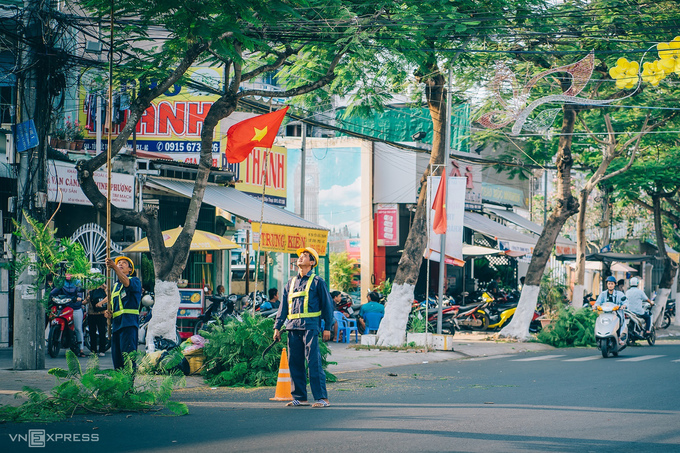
387	225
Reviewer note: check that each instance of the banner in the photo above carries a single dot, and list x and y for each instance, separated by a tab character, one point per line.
287	239
64	176
387	225
455	211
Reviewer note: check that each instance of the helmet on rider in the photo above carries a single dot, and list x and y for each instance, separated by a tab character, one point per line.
634	281
610	279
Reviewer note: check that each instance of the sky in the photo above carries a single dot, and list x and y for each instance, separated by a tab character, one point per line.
340	185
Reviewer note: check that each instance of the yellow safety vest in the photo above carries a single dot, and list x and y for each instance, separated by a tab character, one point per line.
305	308
117	301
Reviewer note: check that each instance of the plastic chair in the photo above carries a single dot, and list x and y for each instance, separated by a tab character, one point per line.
345	327
372	321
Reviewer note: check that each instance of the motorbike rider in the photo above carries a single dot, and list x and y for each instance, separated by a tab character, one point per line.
615	296
636	297
71	289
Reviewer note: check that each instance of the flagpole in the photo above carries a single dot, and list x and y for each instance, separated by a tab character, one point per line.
442	246
259	235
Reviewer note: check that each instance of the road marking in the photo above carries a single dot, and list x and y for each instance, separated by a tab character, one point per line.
543	357
499	356
675	360
583	359
641	358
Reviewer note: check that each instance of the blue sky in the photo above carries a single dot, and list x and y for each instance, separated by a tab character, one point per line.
340	188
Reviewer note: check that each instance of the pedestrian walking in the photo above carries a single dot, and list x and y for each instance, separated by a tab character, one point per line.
306	301
126	298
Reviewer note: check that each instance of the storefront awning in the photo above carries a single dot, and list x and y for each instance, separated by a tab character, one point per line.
508	239
282	230
563	244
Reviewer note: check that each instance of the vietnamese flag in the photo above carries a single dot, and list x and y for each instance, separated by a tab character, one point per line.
259	131
439	206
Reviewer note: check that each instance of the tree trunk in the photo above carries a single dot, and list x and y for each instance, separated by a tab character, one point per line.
579	285
164	320
393	326
566	206
669	267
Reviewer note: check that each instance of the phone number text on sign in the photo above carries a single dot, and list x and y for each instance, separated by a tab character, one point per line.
183	147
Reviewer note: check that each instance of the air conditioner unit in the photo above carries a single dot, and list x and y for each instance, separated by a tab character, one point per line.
93	46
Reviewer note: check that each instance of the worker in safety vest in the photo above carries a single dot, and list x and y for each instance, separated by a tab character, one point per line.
306	301
125	297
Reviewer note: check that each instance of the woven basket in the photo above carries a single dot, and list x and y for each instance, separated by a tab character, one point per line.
195	359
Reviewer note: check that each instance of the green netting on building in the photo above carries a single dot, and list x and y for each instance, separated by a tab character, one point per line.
399	125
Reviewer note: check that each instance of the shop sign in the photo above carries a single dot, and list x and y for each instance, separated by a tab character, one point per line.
250	176
503	195
63	185
387	225
287	239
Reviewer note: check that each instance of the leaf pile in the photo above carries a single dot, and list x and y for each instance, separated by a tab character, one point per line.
570	328
233	353
94	391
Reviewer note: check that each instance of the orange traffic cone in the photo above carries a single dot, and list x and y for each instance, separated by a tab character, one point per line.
283	391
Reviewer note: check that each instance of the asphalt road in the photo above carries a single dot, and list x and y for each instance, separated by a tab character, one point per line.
561	400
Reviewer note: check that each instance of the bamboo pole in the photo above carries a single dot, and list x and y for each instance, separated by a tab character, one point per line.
108	173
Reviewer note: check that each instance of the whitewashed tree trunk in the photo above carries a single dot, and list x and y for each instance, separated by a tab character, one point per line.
659	306
392	331
577	296
164	319
519	327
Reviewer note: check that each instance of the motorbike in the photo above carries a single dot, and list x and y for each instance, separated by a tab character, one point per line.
636	328
145	318
500	314
668	314
475	317
62	333
589	300
221	308
607	330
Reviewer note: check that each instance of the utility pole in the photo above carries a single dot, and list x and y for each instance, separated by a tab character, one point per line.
33	102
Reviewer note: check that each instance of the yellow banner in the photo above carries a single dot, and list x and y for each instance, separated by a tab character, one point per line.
286	239
249	174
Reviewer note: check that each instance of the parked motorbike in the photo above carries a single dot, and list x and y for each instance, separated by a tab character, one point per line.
636	328
220	309
500	314
475	317
589	300
145	318
62	332
607	330
668	314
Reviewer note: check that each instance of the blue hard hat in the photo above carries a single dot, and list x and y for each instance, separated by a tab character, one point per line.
611	279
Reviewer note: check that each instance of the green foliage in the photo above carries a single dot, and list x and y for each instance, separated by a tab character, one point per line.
343	269
551	295
96	392
385	287
148	272
233	353
416	323
570	328
52	257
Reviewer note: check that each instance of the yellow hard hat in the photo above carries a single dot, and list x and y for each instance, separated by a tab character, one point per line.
310	250
132	265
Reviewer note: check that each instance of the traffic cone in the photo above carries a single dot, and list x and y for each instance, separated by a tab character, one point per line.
283	391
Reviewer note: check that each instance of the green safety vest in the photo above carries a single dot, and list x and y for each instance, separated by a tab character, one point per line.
117	301
305	308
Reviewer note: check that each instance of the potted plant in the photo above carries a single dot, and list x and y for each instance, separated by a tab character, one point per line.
75	134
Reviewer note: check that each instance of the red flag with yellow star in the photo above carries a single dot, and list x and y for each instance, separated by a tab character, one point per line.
259	131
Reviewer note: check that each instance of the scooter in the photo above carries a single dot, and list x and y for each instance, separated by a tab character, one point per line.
607	330
62	329
668	314
475	317
636	328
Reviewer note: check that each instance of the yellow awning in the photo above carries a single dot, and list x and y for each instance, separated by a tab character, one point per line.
202	240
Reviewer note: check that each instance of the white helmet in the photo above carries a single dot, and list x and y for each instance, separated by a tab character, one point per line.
634	281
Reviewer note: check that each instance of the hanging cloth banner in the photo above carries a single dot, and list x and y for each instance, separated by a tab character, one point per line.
287	239
455	211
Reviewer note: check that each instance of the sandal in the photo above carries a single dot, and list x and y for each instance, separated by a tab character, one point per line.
321	403
82	354
296	403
